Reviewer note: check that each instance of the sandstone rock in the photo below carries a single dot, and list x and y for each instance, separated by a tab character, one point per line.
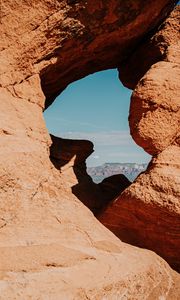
69	157
51	246
161	46
65	41
111	187
147	213
65	150
155	108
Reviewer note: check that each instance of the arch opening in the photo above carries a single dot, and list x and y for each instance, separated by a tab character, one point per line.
94	110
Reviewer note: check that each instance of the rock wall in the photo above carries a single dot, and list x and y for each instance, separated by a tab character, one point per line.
147	214
51	245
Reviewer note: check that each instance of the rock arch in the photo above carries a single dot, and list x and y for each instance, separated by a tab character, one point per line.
53	43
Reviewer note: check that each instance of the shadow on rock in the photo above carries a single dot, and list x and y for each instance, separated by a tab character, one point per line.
70	155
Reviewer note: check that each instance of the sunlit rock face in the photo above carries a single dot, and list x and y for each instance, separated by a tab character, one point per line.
148	212
51	245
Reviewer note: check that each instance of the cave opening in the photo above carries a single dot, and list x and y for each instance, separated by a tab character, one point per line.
95	110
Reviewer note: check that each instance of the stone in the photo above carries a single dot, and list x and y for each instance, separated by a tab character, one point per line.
69	158
163	45
40	41
155	108
111	187
147	213
51	245
65	150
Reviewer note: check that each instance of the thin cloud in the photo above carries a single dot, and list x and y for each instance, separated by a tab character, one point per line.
125	154
95	156
112	146
102	138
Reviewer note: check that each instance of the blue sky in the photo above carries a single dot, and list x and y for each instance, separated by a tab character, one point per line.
96	108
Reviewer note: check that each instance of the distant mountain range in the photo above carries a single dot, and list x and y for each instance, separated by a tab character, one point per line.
130	170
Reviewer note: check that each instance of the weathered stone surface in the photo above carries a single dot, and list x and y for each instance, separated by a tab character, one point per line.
113	186
164	45
155	108
147	214
51	244
69	157
66	150
40	41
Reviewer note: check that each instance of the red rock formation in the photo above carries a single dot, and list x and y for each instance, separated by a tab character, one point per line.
162	46
69	157
51	246
147	214
111	187
154	112
40	41
65	150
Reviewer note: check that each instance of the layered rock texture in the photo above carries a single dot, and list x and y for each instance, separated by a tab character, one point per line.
147	214
51	245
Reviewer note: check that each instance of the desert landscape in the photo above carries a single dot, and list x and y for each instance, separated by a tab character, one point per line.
130	170
63	236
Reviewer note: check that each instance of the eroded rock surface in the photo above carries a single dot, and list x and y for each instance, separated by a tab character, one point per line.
147	214
155	108
69	157
50	243
161	46
66	40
